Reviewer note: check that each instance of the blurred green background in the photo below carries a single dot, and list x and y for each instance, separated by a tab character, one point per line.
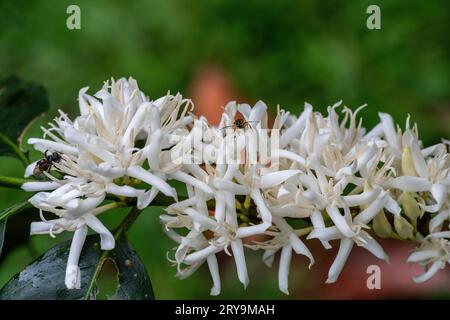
282	52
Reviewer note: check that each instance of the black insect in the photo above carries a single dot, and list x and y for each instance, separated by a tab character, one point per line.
46	163
240	123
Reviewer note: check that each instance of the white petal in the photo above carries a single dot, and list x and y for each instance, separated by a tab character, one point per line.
29	171
61	191
78	207
146	198
275	178
107	241
392	206
181	205
376	132
258	111
214	270
203	220
65	198
266	216
410	184
372	210
73	277
300	248
243	232
339	221
235	188
154	150
317	199
84	106
362	198
202	254
38	198
422	255
184	177
296	128
439	192
153	180
438	220
108	171
366	156
373	247
389	131
42	227
429	273
239	258
83	142
318	222
338	264
325	234
43	145
291	156
283	271
268	257
440	234
124	191
135	124
40	186
219	212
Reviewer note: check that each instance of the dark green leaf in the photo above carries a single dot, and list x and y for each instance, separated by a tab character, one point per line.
2	234
134	283
18	225
44	278
17	232
20	103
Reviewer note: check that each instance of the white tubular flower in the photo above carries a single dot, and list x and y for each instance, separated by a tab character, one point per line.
80	214
246	184
104	151
350	231
287	240
100	145
434	253
326	172
208	237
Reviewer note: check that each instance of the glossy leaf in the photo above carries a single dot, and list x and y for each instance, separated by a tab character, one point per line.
20	103
44	278
2	235
134	283
19	235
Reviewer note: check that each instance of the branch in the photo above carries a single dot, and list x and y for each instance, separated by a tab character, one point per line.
121	229
12	182
15	149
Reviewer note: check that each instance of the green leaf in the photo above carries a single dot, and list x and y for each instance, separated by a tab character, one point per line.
44	278
20	103
20	207
14	209
2	234
134	282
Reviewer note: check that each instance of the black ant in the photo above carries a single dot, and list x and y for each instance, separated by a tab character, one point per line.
240	123
46	163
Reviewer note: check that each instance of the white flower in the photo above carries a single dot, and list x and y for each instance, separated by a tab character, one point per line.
434	252
327	172
350	230
104	152
287	240
196	248
324	172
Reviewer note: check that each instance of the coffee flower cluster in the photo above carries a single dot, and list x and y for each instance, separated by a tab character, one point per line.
248	185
